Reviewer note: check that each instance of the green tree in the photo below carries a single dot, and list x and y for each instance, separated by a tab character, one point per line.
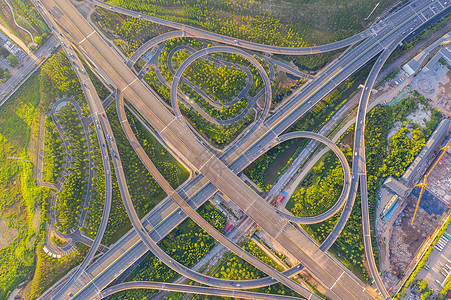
12	60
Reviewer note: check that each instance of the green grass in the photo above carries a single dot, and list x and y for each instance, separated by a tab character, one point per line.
49	269
169	167
319	190
232	267
22	202
281	23
144	190
187	244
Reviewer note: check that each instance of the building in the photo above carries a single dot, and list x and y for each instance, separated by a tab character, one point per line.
228	227
415	63
3	39
390	208
13	49
397	187
444	53
419	165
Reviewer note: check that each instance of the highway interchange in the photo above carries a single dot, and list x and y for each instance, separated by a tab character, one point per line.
341	284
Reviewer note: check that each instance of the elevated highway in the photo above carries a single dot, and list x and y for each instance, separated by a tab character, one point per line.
96	108
277	124
189	289
190	31
180	138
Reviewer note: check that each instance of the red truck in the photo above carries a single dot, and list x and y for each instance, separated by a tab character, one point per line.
282	196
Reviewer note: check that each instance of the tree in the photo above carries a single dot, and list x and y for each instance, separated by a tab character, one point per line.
38	39
12	60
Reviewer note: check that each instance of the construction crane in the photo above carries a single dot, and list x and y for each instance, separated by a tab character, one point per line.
425	179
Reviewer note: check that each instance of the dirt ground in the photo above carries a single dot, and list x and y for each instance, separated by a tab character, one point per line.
400	240
434	83
419	116
7	234
405	240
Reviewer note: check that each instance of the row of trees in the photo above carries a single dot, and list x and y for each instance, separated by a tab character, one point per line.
235	19
53	152
187	244
70	198
224	113
220	135
94	215
232	267
222	82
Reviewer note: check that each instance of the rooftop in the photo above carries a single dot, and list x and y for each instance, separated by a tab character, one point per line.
396	187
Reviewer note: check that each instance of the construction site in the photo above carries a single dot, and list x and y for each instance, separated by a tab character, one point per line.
412	209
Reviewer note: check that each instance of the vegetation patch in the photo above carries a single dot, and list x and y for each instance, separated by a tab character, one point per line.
127	33
320	189
20	198
49	269
218	135
279	23
53	152
232	267
27	16
222	82
70	198
187	244
225	112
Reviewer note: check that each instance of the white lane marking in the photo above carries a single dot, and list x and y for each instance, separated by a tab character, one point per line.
336	280
90	278
168	125
86	37
206	162
129	84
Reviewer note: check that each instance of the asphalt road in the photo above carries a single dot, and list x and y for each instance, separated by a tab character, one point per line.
180	138
346	183
221	49
96	108
29	64
191	289
359	164
200	33
191	212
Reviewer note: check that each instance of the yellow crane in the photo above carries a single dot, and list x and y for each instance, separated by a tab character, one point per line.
424	183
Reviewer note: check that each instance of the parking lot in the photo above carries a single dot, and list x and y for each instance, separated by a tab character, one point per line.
439	264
